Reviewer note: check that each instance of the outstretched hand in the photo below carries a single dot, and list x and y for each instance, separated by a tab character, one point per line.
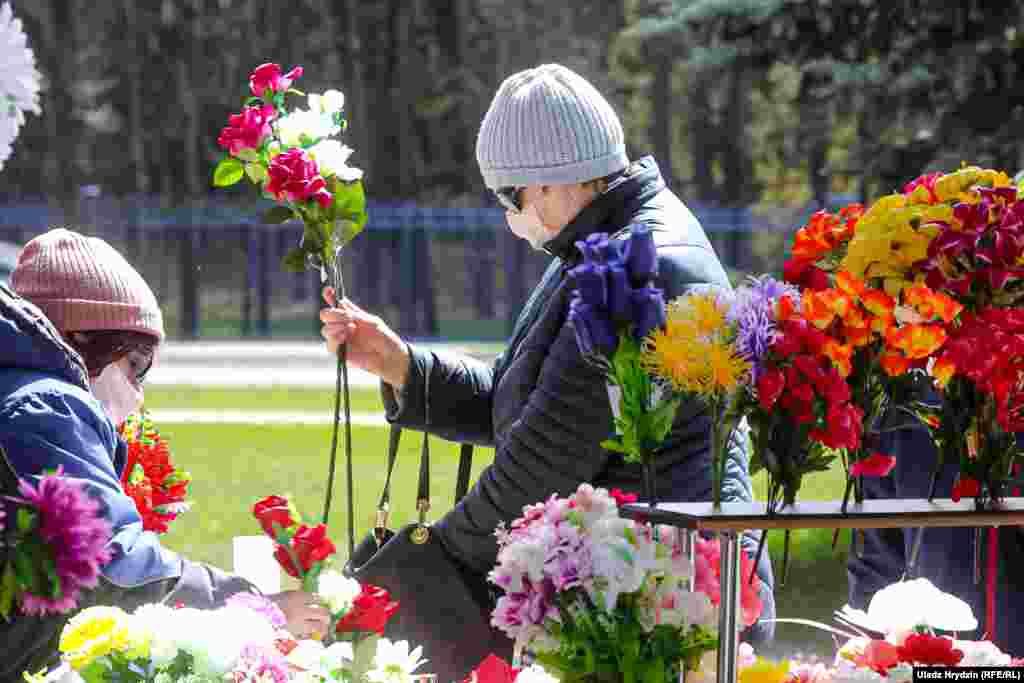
371	345
306	618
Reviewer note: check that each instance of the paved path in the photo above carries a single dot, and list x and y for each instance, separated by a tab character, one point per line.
260	418
265	364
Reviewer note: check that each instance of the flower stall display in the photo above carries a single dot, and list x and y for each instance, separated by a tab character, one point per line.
241	642
158	487
296	159
594	596
19	81
54	538
615	305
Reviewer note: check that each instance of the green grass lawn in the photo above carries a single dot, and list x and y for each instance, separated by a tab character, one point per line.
279	399
234	465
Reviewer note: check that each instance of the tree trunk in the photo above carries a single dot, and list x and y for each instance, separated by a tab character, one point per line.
702	138
816	132
741	186
662	115
140	181
59	107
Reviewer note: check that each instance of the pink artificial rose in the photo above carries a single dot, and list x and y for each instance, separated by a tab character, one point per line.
247	130
269	77
295	176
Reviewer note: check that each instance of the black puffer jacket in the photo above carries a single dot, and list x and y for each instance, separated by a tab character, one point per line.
546	411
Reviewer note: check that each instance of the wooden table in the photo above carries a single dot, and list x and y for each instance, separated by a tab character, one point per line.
729	520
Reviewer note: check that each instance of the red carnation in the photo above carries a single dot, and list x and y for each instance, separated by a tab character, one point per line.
921	648
370	611
804	274
769	387
875	465
620	497
966	487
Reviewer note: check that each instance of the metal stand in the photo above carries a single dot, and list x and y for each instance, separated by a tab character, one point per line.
728	608
731	519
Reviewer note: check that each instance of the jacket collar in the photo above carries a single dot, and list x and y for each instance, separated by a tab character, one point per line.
29	341
610	211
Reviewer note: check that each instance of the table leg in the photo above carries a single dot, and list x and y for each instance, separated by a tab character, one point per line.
728	607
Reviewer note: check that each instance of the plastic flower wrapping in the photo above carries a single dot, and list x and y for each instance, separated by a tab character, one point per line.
243	641
19	81
158	487
55	539
587	591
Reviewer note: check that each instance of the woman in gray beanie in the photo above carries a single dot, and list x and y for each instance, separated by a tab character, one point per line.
551	149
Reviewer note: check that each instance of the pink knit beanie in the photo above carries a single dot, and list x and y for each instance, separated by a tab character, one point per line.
83	284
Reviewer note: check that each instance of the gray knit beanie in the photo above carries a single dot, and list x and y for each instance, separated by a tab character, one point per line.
548	126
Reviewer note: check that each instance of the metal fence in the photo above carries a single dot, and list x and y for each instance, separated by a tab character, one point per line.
430	272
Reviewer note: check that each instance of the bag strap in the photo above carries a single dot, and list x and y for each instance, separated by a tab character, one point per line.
465	463
384	506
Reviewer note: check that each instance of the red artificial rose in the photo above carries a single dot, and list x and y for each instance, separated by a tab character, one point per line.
271	510
813	339
835	389
294	176
269	77
804	274
619	497
879	656
966	487
769	387
494	669
370	611
810	367
247	130
875	465
843	427
285	560
311	545
921	648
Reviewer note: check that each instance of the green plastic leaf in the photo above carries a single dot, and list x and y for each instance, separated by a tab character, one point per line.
294	261
350	202
25	520
256	173
247	155
611	445
228	172
276	215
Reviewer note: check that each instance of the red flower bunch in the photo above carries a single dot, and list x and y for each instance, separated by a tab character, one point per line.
294	176
824	234
708	578
301	549
494	669
805	383
924	649
370	612
150	477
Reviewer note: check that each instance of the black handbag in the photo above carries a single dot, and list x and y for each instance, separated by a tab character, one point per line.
443	606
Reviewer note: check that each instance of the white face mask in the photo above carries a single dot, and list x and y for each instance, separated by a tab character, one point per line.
119	395
528	226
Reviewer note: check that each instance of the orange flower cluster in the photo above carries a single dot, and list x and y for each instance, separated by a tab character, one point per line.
824	234
922	330
852	314
150	478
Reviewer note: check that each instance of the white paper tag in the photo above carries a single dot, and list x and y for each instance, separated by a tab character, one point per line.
254	561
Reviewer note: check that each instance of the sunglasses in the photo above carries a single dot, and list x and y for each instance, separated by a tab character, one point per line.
139	362
510	198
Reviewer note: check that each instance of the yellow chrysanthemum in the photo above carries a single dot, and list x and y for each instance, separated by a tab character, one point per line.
93	633
765	671
707	314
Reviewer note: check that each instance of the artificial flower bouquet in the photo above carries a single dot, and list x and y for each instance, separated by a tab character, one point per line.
594	596
615	305
304	551
158	486
53	538
241	642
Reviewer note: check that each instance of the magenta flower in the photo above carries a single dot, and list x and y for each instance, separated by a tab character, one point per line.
73	533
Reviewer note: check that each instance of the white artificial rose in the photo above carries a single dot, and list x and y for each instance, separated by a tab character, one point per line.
313	124
535	674
332	159
337	590
330	102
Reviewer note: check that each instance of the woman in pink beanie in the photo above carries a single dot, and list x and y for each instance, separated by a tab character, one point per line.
76	339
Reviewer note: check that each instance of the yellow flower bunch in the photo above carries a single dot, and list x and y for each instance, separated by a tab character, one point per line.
101	631
894	233
765	671
695	351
